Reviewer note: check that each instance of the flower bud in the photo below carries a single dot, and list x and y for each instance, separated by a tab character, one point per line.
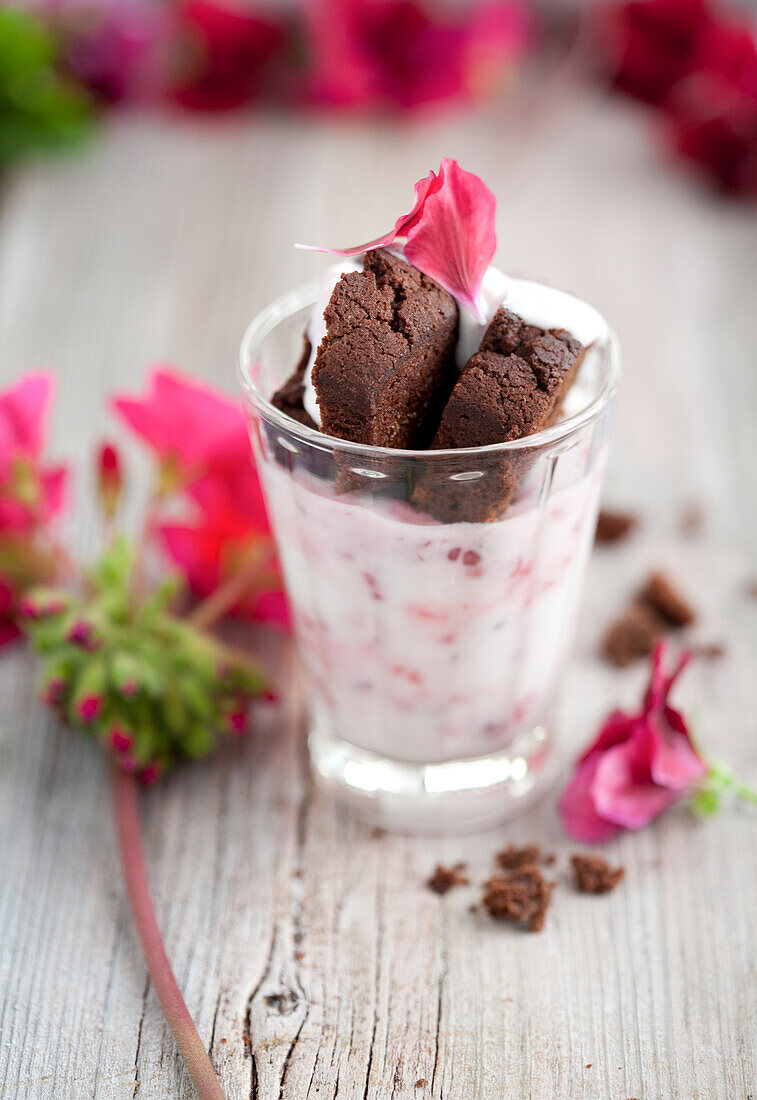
236	722
151	773
89	695
120	739
44	603
81	633
109	479
52	691
89	707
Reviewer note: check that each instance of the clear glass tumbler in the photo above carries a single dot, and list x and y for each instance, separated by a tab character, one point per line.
433	637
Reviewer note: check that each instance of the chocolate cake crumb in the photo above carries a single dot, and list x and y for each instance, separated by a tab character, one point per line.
614	526
594	875
661	594
710	651
632	635
421	1083
444	878
513	857
521	896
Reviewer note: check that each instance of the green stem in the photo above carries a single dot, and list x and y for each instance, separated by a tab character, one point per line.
132	861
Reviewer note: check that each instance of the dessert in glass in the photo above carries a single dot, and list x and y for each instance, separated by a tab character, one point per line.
432	467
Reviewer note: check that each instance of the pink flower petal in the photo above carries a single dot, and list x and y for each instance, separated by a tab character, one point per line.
401	226
9	632
675	763
272	607
187	420
577	809
617	728
623	790
454	239
16	517
7	597
53	482
23	417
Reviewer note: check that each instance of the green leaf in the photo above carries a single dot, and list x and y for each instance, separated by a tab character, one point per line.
39	107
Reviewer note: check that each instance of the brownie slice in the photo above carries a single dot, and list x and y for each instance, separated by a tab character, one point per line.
513	386
386	365
289	399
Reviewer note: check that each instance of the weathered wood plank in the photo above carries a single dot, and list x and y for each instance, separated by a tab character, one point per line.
312	957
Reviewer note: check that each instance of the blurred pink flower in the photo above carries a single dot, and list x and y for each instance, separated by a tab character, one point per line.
638	766
30	493
193	430
449	232
200	438
117	48
230	50
230	536
9	629
697	63
404	54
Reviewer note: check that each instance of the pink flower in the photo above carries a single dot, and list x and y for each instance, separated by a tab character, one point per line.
201	440
405	54
194	431
9	629
698	64
449	232
115	47
230	55
230	531
30	493
638	766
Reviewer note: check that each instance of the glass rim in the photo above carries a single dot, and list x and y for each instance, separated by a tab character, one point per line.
287	304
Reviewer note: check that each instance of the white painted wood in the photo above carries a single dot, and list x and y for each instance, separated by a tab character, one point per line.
315	962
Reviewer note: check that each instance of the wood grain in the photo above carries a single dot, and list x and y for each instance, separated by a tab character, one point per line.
312	957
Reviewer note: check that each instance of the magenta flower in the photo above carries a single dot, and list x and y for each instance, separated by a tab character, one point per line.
231	53
30	492
638	766
117	48
449	233
201	440
404	55
9	629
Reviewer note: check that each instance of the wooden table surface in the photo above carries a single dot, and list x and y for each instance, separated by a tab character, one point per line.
311	955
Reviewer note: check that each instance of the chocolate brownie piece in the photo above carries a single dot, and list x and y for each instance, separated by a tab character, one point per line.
512	387
386	363
522	896
444	878
614	526
632	635
289	399
661	593
594	875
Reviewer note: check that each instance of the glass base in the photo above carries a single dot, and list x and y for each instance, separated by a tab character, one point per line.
453	797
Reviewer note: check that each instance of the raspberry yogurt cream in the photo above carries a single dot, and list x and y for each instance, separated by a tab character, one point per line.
432	469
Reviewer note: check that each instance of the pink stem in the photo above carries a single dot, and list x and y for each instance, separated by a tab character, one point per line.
132	861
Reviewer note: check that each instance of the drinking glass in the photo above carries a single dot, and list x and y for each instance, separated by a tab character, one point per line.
433	637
